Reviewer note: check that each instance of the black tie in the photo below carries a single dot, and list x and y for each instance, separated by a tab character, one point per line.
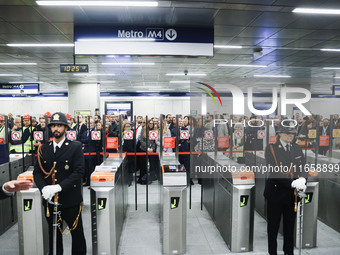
287	147
56	149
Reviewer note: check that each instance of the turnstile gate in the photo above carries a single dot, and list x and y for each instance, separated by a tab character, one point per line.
6	216
173	211
108	205
233	203
32	225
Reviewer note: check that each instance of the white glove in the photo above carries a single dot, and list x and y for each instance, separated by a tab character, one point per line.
49	191
299	184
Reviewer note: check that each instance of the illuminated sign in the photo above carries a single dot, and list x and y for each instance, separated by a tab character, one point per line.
74	68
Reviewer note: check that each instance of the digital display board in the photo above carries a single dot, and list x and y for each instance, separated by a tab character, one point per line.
65	68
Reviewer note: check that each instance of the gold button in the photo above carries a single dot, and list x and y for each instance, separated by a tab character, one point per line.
275	185
55	171
56	180
75	186
45	161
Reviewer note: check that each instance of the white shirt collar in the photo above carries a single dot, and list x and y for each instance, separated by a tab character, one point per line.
58	144
284	144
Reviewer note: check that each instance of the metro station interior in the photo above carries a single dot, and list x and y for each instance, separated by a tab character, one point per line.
193	75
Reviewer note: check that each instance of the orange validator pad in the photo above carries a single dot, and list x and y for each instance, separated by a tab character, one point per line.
103	178
28	175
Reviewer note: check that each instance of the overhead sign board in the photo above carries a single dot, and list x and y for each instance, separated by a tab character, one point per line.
173	41
19	89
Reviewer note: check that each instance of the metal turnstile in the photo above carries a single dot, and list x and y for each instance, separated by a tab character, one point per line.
6	215
173	206
108	205
233	203
32	224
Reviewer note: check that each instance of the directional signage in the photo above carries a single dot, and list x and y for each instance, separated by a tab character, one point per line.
174	201
128	135
19	89
208	134
309	197
261	134
71	135
101	203
96	135
238	134
169	142
16	135
153	135
244	200
172	41
38	135
184	134
28	204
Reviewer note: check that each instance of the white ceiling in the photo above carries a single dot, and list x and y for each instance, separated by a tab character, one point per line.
290	43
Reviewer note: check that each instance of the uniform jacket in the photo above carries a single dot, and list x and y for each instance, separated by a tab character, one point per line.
3	195
69	171
278	185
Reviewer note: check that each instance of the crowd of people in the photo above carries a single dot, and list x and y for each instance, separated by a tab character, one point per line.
115	126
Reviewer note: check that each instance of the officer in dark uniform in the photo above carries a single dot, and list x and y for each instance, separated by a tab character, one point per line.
59	169
288	159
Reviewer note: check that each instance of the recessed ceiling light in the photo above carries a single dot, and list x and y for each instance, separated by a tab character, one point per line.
98	3
331	68
337	77
186	81
228	46
316	11
251	66
128	64
17	64
188	74
9	74
94	74
330	49
271	76
25	82
40	44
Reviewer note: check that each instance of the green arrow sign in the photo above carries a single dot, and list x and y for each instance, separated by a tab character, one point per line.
101	203
28	204
174	201
243	200
309	197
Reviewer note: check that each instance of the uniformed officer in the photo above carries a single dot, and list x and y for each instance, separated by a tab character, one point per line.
288	159
59	169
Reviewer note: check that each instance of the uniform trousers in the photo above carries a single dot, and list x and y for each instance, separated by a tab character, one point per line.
274	211
78	238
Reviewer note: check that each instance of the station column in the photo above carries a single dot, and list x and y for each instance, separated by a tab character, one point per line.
83	96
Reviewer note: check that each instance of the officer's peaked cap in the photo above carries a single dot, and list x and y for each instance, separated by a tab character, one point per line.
287	127
58	118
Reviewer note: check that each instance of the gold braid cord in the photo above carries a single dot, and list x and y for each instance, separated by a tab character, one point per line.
74	225
41	167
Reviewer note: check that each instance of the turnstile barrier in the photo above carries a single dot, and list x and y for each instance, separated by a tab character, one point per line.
173	206
32	225
108	205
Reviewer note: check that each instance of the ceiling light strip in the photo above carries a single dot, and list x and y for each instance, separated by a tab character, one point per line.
182	74
271	76
128	64
99	3
251	66
9	75
40	44
228	46
330	50
316	11
18	64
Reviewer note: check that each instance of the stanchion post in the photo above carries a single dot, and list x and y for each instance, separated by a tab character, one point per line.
89	142
191	159
161	137
135	157
104	137
22	144
6	135
317	139
331	136
146	155
177	138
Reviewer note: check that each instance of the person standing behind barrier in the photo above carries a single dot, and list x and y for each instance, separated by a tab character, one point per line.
89	146
143	160
153	159
336	125
42	127
129	146
324	130
80	127
59	168
184	146
288	158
